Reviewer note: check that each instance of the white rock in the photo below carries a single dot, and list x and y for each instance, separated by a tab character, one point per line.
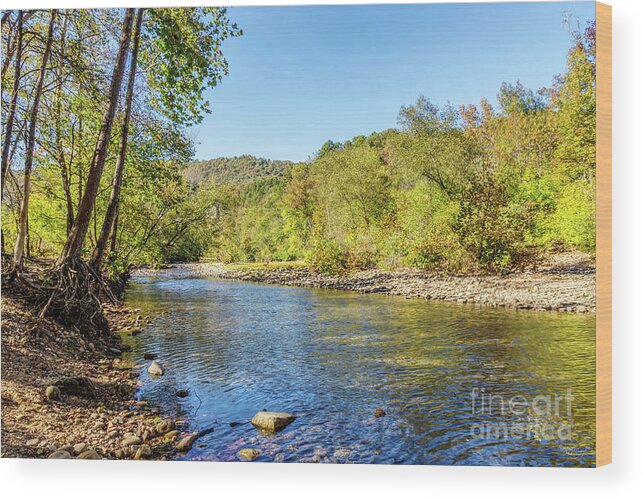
156	369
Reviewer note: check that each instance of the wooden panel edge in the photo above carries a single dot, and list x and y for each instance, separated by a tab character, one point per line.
603	234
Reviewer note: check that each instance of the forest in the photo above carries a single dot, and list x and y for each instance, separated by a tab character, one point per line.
97	161
452	189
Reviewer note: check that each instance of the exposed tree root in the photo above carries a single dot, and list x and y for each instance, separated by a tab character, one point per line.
71	293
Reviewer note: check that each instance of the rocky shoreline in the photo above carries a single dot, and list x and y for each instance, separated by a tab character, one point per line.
67	396
560	282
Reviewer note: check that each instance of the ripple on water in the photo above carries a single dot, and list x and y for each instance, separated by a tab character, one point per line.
332	358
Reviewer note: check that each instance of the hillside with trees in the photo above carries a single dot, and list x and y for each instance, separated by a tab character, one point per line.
474	188
236	170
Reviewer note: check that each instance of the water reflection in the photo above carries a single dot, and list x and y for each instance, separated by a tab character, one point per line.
332	358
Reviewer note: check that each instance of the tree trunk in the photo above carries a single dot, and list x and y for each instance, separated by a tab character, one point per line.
60	151
112	207
11	113
77	235
18	251
10	46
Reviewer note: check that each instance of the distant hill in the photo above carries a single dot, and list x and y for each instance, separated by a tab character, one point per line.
236	170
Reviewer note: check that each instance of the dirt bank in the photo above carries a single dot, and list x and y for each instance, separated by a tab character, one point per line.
562	282
91	413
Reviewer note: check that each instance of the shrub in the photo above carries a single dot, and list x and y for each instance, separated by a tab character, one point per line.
327	257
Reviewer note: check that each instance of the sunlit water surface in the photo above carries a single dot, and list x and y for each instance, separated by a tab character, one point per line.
332	358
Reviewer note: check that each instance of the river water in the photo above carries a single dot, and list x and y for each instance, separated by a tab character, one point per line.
460	385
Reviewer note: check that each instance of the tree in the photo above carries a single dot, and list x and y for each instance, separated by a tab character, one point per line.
112	207
76	238
18	251
182	55
8	131
575	98
60	149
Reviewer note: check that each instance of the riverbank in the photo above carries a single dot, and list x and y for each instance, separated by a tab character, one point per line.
563	282
68	394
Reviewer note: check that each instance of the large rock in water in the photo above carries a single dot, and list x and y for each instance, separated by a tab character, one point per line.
271	422
156	369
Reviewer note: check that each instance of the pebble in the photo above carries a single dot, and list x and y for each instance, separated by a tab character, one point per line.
80	448
131	440
143	452
379	413
248	454
156	369
60	454
165	426
52	392
89	454
185	444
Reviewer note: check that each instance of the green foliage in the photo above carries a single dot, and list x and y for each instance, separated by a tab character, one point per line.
454	190
327	257
161	217
572	223
576	101
237	170
468	189
182	51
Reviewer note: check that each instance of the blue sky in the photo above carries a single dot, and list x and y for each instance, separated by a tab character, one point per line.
302	75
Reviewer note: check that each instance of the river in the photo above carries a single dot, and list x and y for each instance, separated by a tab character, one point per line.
460	385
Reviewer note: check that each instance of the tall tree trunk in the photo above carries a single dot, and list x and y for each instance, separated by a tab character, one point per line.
18	251
78	232
112	207
11	113
60	150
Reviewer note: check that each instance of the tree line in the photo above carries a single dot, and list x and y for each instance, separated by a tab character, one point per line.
456	189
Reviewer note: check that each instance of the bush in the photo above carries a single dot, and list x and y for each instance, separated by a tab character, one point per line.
327	257
573	222
362	251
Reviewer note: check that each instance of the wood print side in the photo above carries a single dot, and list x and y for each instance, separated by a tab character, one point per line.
603	234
